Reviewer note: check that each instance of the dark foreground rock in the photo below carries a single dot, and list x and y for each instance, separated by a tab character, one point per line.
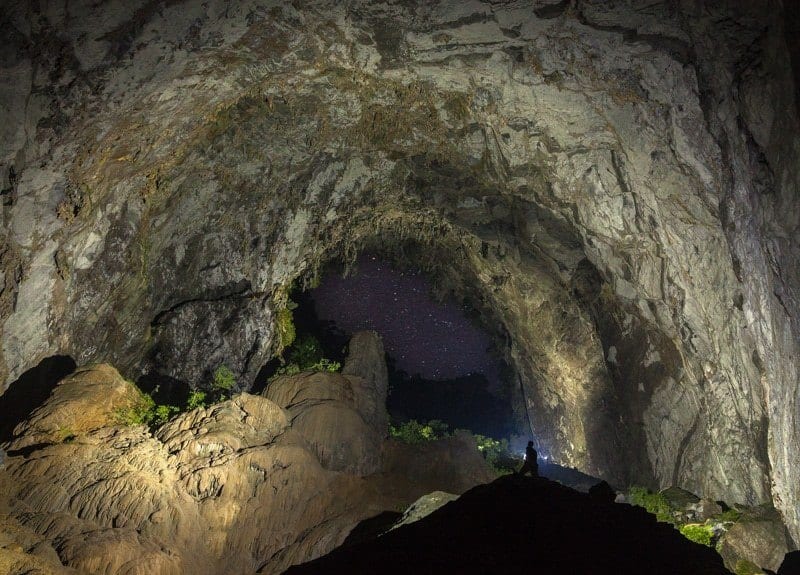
521	525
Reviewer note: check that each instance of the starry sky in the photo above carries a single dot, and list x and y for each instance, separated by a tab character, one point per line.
434	340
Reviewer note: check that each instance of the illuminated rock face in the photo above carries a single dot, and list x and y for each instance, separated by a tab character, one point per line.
241	486
613	188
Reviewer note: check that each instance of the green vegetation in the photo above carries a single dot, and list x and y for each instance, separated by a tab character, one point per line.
197	399
307	355
285	325
698	532
414	432
654	503
145	411
139	413
676	514
224	381
745	567
163	413
729	516
496	452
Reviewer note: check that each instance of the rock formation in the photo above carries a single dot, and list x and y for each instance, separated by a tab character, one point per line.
245	485
612	185
523	525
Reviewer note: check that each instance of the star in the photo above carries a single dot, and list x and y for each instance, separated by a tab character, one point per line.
435	340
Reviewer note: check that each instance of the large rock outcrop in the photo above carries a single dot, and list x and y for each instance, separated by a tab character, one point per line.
240	486
612	185
343	417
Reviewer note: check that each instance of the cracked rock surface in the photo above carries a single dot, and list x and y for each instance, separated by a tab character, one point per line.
238	487
612	185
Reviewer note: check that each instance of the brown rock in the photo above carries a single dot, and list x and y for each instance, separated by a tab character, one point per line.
451	464
341	416
244	485
89	399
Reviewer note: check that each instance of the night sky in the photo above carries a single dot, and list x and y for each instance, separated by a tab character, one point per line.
434	340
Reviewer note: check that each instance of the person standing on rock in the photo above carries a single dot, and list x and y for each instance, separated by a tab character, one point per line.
531	463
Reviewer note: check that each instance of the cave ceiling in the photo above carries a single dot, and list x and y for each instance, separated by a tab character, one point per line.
611	185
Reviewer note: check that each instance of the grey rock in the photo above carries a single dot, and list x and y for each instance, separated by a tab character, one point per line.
762	543
598	175
424	506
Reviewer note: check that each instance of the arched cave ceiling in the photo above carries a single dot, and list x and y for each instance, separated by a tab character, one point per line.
612	184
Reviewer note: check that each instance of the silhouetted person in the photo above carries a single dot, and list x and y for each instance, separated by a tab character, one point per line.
531	461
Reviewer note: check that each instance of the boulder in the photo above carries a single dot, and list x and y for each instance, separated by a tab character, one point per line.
603	492
89	399
760	542
424	506
706	509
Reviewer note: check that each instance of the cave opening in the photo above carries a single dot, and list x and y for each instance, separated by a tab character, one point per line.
443	364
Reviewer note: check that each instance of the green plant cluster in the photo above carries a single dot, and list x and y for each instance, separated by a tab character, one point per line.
145	411
223	382
654	503
497	454
698	532
413	432
306	354
285	326
658	505
495	451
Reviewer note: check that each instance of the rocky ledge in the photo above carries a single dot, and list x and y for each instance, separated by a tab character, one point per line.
253	483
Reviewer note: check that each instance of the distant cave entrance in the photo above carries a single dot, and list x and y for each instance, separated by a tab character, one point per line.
442	364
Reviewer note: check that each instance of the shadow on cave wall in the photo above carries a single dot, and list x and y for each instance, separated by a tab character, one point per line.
31	390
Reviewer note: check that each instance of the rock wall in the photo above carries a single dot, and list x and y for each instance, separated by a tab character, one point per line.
612	185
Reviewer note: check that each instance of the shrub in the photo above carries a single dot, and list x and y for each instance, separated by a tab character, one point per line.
163	413
145	411
414	432
306	354
224	380
140	413
286	329
306	351
326	365
196	399
654	503
497	454
698	532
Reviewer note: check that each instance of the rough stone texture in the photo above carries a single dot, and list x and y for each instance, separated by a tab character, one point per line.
238	487
342	417
424	506
450	464
762	543
23	551
88	400
612	185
